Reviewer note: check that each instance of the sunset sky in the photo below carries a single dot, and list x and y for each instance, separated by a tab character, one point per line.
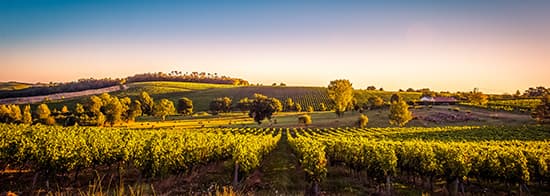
496	46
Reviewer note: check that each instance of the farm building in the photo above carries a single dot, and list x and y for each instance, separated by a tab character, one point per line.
427	100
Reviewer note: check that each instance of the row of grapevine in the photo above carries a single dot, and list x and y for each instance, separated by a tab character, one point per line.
435	153
154	152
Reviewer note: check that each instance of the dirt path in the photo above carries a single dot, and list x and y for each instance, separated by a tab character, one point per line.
282	173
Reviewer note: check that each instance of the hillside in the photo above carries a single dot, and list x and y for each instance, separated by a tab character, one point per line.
10	86
202	93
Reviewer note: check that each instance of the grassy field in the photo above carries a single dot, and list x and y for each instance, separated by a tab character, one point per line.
9	86
328	119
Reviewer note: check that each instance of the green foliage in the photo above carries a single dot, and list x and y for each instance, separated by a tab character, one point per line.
79	109
304	119
10	114
375	102
298	107
164	108
399	113
263	107
220	104
310	109
363	121
478	98
134	110
289	105
341	93
322	107
147	103
43	113
185	106
113	111
244	104
27	115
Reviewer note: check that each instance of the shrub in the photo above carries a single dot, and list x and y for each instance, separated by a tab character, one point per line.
304	119
363	121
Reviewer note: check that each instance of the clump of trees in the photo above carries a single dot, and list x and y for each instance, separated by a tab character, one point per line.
95	111
164	108
220	104
399	111
179	76
341	93
185	106
263	107
478	98
541	113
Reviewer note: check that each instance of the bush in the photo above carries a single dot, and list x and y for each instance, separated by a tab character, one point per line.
363	121
304	119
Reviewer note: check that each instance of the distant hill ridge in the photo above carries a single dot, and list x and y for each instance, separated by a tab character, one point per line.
16	89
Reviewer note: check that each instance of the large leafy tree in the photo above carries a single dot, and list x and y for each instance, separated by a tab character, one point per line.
185	106
43	114
164	108
113	111
263	107
341	93
399	112
147	103
220	104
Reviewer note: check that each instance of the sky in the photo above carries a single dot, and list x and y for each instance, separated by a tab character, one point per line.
496	46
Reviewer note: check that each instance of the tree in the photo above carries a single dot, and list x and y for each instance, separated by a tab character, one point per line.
399	113
64	110
304	119
323	107
220	104
298	107
10	114
185	106
134	111
43	114
263	107
147	103
371	88
164	108
363	121
341	93
244	104
94	105
541	113
113	111
375	102
478	98
395	97
27	115
289	105
79	109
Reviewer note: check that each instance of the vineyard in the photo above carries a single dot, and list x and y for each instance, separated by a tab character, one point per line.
511	105
53	153
479	158
453	159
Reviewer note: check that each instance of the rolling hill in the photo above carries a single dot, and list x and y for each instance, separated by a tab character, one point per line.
202	94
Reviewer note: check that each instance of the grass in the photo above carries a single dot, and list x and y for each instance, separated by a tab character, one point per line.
9	86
